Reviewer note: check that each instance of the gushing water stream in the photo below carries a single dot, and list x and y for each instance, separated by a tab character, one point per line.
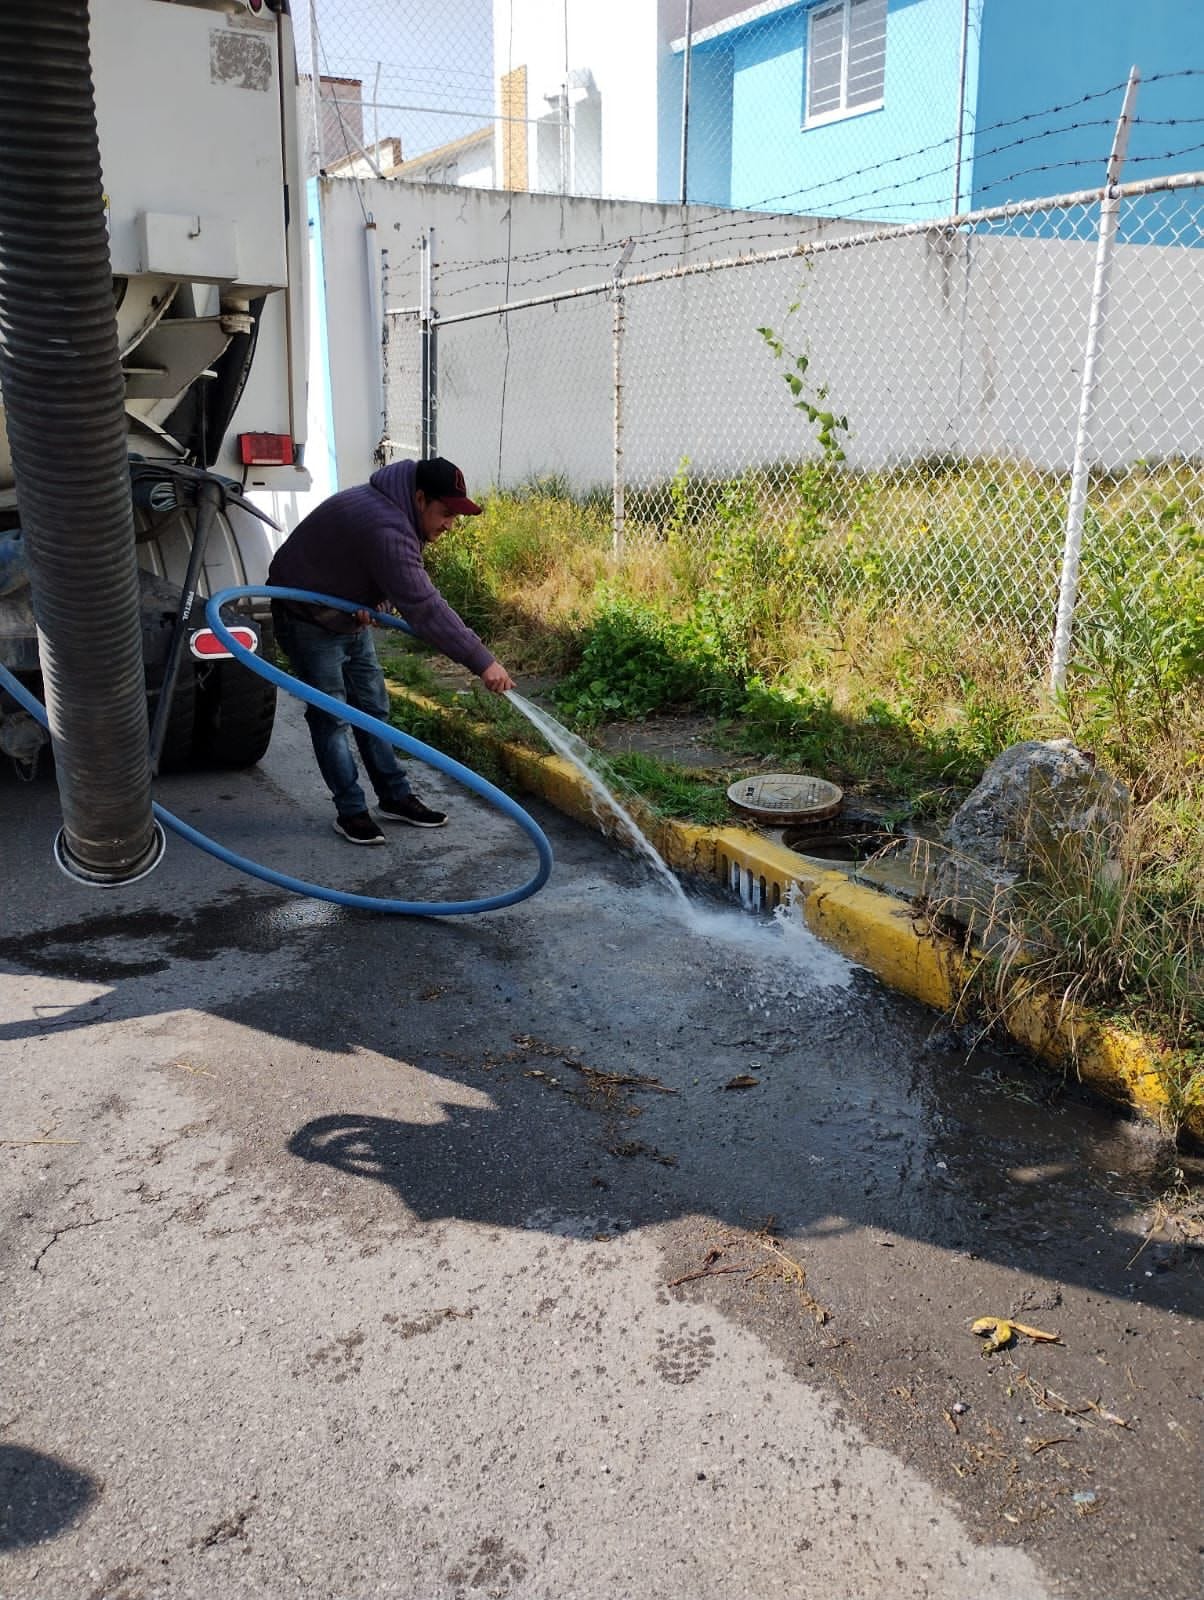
787	940
576	750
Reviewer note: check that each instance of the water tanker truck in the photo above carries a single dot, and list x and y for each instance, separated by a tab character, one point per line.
204	209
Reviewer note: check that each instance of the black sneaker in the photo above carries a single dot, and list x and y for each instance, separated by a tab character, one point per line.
410	809
359	829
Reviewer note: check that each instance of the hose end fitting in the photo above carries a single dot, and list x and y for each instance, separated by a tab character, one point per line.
93	879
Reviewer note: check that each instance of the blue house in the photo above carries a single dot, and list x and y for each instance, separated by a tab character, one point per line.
902	110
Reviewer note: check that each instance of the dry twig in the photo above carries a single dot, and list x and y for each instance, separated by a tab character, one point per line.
38	1141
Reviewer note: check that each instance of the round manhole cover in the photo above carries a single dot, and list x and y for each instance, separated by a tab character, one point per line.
786	797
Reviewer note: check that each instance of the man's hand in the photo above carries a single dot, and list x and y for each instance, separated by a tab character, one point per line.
365	618
496	678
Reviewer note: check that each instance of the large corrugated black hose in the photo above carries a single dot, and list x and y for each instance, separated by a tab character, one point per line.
60	371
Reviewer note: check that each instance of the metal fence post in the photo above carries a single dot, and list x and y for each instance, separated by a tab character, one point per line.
376	312
685	103
430	345
617	492
1076	508
959	139
386	332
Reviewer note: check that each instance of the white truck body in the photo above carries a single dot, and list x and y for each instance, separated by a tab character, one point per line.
197	119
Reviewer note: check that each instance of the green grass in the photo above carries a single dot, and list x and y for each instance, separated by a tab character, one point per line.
406	662
669	790
1123	937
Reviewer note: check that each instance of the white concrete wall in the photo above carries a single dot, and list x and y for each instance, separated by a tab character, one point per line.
554	380
930	347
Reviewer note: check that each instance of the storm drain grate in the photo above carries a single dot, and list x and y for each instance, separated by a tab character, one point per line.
782	797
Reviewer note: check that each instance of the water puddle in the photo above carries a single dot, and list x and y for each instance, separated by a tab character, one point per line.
801	961
784	938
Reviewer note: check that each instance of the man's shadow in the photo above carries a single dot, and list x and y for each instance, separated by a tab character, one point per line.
542	1156
477	1165
39	1496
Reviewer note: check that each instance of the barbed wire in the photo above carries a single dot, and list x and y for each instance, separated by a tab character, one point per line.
720	226
911	155
979	156
1070	163
860	172
573	258
450	292
731	224
1082	202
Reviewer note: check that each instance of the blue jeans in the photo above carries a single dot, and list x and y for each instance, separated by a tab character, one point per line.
344	666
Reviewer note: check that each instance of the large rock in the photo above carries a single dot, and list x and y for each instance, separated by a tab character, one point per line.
1042	810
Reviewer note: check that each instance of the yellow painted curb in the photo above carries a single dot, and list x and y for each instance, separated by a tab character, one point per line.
882	933
875	930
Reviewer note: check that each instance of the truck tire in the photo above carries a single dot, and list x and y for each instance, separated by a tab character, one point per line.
176	755
235	711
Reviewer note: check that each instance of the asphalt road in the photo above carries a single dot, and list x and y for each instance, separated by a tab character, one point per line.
567	1251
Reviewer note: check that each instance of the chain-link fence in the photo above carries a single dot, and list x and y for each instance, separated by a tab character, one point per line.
904	413
863	338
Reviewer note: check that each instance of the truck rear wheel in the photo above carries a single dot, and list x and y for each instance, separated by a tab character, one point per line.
235	711
176	754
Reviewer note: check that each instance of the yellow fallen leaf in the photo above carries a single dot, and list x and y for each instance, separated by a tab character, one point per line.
1036	1334
997	1332
1000	1331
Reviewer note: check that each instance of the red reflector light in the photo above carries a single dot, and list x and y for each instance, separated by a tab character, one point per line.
206	645
265	449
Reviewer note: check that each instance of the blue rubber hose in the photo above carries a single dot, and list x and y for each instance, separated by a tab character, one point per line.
381	730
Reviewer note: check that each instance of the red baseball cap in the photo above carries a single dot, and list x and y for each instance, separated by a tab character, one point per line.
442	480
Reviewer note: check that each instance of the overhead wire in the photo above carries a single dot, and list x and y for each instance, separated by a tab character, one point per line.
347	141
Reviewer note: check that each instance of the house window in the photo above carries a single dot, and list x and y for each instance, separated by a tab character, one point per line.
846	59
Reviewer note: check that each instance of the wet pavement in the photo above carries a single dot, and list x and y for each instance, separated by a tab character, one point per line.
565	1251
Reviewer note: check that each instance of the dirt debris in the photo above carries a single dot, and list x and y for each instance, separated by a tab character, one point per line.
780	1267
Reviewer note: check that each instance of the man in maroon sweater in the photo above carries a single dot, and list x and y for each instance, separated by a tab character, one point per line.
366	544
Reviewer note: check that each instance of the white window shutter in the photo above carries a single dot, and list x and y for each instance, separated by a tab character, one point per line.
846	57
826	63
866	52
